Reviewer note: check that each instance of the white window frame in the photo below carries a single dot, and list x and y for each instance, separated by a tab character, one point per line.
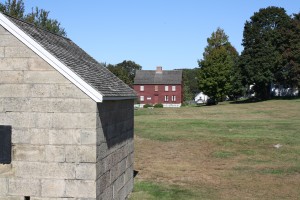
166	88
173	98
142	88
142	98
173	88
156	88
166	98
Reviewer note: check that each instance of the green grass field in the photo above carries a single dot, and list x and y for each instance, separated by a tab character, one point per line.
219	152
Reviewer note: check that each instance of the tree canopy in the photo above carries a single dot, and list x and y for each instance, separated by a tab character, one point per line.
216	68
38	17
190	83
264	42
125	71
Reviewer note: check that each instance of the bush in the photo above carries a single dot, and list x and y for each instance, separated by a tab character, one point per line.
147	106
184	104
159	105
210	102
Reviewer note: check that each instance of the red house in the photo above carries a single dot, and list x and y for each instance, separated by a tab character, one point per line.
159	86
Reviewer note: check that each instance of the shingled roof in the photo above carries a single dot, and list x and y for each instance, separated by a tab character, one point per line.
149	77
75	59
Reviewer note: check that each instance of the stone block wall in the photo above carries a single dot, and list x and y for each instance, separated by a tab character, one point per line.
115	150
60	149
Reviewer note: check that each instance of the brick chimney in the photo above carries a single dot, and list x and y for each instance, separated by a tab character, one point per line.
159	69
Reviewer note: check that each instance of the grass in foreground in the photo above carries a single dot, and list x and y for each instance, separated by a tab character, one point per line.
219	152
149	191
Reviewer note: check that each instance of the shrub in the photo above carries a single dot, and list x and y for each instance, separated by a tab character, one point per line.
210	102
147	106
159	105
184	104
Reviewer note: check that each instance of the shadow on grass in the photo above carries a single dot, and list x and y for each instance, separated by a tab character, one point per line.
285	98
250	100
256	100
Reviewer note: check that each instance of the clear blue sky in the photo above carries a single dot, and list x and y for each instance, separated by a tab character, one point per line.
167	33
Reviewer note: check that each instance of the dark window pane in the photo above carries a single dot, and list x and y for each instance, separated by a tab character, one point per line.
5	144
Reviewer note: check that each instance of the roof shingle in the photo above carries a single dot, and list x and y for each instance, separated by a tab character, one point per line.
77	60
149	77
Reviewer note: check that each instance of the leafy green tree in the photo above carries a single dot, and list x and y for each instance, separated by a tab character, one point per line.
39	17
13	8
190	83
125	71
290	72
263	44
219	58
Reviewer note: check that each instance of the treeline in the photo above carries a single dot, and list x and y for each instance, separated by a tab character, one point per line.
124	70
39	17
271	54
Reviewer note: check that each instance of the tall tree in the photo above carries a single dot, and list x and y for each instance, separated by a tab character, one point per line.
290	73
263	44
190	83
13	8
38	17
125	71
216	67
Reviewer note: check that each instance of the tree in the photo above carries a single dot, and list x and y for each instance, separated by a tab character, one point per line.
216	67
261	59
38	17
125	71
13	8
290	73
190	83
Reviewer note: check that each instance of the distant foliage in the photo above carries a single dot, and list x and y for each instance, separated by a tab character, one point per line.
38	17
217	66
147	106
159	105
190	83
265	44
125	71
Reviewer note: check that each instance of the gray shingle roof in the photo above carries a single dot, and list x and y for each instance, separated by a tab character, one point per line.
77	60
148	77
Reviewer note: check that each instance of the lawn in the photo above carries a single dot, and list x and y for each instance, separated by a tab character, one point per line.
218	152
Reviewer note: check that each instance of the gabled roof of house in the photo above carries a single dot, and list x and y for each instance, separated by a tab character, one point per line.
149	77
70	60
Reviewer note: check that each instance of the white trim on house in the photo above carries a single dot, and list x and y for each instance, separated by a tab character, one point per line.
49	58
172	105
178	105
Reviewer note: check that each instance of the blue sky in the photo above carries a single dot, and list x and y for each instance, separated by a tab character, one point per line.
167	33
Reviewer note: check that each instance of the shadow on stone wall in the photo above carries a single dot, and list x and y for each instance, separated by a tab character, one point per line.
116	120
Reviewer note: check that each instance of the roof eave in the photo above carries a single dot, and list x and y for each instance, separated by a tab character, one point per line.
49	58
111	98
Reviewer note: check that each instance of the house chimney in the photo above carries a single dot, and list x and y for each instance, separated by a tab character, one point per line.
159	69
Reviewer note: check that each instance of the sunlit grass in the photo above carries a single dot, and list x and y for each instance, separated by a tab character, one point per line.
217	148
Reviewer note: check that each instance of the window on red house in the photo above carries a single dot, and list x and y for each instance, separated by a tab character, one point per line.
173	98
141	98
156	88
166	98
173	88
141	88
166	88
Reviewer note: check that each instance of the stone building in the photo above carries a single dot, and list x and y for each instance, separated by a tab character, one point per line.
66	122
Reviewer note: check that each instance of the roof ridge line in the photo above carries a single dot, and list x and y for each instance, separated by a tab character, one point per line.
38	27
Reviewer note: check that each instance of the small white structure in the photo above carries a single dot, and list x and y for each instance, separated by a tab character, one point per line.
201	98
281	91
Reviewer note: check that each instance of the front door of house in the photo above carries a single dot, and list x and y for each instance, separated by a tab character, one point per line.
156	99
